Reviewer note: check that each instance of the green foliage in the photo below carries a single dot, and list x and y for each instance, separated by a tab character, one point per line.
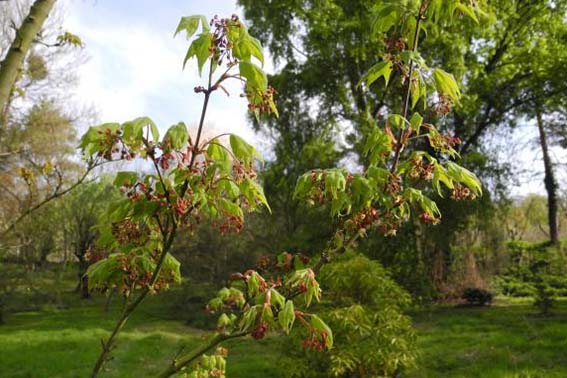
189	25
68	38
253	305
210	365
177	136
535	270
229	40
192	181
242	150
372	335
325	49
446	85
380	69
186	187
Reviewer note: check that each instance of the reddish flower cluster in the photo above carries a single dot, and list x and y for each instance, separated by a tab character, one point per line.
241	171
428	218
220	351
443	106
222	47
114	148
363	220
95	254
260	331
216	373
261	101
461	192
395	44
182	206
444	141
317	341
127	231
231	223
388	224
394	184
419	169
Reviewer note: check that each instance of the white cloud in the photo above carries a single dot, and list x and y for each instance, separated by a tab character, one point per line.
135	68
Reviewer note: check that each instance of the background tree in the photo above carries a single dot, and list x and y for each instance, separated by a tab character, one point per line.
82	210
13	61
38	108
327	49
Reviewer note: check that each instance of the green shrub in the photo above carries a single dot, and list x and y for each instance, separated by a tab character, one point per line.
512	286
373	337
544	297
537	270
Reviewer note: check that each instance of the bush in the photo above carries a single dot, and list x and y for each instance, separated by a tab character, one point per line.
544	295
512	286
537	270
372	334
477	297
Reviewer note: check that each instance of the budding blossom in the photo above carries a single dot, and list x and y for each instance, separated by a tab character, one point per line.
428	218
461	192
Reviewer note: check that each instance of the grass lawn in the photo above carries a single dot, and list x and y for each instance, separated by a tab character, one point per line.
65	344
506	341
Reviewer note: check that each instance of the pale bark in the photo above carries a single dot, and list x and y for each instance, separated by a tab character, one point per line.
12	64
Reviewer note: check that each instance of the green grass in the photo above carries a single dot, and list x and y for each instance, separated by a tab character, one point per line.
65	343
504	341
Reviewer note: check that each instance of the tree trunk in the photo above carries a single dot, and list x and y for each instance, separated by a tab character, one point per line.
83	279
25	35
550	182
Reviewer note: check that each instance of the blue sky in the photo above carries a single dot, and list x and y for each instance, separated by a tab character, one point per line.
135	64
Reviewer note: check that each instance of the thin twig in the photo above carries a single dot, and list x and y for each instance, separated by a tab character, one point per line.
402	135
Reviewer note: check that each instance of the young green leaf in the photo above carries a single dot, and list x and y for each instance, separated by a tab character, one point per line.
254	192
230	208
426	204
416	121
190	24
286	317
335	182
255	77
397	121
378	144
387	15
446	85
242	150
125	179
440	176
133	131
201	49
177	136
92	140
465	9
380	69
247	46
230	188
319	325
465	177
278	300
